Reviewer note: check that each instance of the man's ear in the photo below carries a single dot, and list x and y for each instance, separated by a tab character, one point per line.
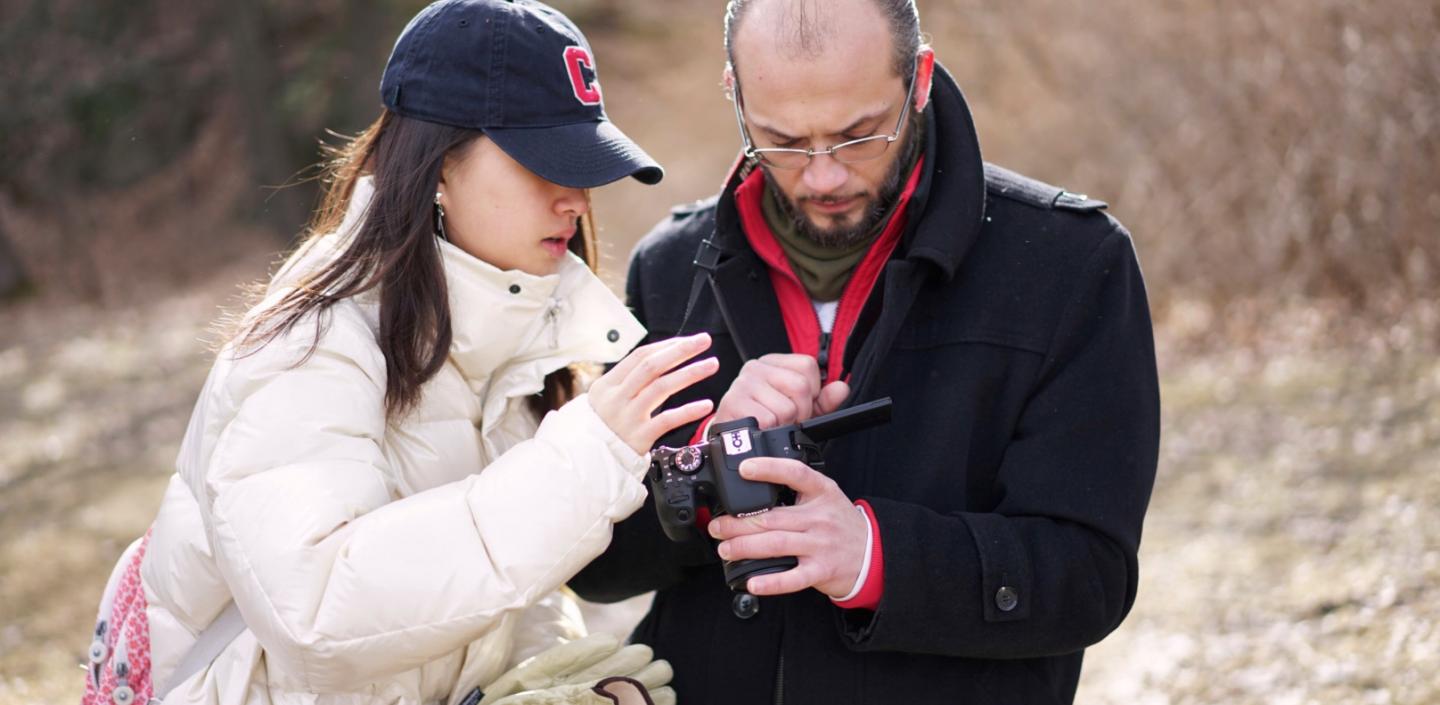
727	79
924	76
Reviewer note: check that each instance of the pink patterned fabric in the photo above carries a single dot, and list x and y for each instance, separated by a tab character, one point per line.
127	619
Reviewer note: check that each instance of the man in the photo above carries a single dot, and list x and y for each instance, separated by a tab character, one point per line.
971	549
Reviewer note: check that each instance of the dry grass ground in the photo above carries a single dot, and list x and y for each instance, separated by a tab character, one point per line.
1292	551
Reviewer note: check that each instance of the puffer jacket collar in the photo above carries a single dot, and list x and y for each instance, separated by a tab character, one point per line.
510	329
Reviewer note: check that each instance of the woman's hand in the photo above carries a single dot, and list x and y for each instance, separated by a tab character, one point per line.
627	395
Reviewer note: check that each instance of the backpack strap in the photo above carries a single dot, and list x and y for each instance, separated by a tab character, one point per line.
207	647
99	652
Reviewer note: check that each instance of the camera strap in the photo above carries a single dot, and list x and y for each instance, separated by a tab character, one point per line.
707	259
208	645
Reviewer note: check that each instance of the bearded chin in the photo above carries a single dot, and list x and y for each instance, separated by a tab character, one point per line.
842	234
838	234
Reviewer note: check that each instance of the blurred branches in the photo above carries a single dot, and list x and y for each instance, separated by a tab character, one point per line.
188	117
1274	150
1294	145
12	273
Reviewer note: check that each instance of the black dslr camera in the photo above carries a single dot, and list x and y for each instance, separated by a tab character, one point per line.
707	476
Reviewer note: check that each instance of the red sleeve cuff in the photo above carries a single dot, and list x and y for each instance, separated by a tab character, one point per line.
874	587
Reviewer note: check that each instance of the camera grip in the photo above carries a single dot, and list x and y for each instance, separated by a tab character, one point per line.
675	507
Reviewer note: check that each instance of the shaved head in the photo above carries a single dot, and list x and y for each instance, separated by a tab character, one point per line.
805	29
800	29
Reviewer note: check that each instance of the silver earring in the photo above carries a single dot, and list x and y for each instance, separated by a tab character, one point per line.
439	218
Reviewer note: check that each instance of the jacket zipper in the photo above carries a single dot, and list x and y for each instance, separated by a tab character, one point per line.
822	354
825	338
822	350
780	681
552	321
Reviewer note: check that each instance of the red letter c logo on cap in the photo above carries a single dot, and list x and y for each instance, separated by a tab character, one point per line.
586	91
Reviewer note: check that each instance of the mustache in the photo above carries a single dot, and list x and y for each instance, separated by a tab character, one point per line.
876	202
834	199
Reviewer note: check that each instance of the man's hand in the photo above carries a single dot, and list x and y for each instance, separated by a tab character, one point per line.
823	530
780	389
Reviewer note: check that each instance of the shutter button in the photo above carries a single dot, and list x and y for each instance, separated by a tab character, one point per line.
1006	599
613	335
514	288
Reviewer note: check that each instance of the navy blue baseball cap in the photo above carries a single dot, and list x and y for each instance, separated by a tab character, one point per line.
522	73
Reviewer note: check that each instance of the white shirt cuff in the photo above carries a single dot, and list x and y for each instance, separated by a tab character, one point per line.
864	567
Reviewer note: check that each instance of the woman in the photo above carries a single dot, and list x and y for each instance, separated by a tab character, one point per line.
366	478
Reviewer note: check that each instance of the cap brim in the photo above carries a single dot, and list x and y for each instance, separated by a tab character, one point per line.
579	155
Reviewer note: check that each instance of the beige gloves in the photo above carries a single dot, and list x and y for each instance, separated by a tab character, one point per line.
617	690
571	674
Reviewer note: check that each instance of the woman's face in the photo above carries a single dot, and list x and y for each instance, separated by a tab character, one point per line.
502	213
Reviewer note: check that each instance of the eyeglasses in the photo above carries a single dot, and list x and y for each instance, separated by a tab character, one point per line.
863	149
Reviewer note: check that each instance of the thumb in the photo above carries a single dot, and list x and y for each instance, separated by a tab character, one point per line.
831	397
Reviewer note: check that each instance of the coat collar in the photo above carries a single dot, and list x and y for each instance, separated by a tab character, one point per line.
510	329
951	195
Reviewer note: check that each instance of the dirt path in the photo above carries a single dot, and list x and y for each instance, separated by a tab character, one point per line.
1292	549
1292	552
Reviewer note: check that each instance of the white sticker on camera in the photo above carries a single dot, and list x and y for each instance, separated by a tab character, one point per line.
737	442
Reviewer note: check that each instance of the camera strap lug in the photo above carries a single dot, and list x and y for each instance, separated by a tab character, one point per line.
707	260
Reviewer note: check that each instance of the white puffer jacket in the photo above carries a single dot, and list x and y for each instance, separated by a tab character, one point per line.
400	563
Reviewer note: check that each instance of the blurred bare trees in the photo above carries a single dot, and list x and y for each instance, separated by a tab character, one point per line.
144	139
12	273
1257	150
1285	148
1289	146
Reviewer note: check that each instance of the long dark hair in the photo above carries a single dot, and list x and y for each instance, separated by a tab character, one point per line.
394	249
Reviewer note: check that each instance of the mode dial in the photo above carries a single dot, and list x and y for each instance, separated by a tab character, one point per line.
688	460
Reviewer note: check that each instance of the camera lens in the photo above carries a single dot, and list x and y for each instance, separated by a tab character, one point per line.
745	605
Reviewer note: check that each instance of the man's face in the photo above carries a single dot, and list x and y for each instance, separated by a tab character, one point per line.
876	203
847	92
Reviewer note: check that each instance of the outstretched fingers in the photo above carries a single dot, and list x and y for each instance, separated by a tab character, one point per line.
655	394
648	363
671	419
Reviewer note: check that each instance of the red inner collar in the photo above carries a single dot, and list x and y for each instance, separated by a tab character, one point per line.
802	326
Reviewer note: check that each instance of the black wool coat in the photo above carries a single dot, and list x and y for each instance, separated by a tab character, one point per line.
1012	331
